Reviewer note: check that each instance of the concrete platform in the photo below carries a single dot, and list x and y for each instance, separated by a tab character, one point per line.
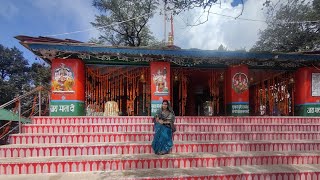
274	172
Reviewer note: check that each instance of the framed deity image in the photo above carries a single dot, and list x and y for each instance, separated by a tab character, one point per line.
315	84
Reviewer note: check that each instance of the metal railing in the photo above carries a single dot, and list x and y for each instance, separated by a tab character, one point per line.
9	132
18	108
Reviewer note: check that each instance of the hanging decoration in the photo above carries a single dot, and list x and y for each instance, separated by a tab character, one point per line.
214	93
113	84
180	77
183	92
275	96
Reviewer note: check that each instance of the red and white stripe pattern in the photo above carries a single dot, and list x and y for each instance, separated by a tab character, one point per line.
180	127
50	137
186	119
131	148
142	137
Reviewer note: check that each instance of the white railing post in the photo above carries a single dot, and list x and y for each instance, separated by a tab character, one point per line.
39	102
19	107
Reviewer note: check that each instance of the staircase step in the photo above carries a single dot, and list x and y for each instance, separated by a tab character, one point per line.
151	161
148	127
179	119
218	148
66	149
148	136
274	172
92	120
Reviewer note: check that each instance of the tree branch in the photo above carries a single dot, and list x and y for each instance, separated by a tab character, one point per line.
207	18
242	9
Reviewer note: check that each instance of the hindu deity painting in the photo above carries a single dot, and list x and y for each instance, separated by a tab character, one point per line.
160	81
240	82
63	79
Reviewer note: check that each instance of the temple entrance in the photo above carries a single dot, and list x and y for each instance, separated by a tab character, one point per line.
126	91
198	92
120	90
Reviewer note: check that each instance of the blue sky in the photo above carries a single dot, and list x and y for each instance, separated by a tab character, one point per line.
237	2
44	17
49	17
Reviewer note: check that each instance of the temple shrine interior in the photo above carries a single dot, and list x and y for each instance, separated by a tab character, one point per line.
126	91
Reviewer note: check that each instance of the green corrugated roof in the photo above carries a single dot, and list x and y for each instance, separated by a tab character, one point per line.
9	116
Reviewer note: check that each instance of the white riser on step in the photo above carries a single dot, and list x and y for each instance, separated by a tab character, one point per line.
149	128
186	119
132	148
178	136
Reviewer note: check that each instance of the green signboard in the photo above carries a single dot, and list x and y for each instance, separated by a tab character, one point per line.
307	109
238	109
155	106
67	108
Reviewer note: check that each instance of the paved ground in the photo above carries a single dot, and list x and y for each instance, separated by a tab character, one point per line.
157	173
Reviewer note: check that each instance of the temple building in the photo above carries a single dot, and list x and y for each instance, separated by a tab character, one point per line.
95	80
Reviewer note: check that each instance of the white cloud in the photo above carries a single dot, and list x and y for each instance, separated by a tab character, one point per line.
69	16
234	34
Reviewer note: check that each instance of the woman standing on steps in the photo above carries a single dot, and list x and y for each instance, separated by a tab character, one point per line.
164	128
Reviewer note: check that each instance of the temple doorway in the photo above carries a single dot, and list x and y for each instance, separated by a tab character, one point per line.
198	92
117	90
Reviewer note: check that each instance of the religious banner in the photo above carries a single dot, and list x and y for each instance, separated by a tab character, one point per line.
67	88
160	84
237	87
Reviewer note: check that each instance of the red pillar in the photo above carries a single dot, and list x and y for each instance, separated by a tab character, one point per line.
67	87
160	84
237	90
307	92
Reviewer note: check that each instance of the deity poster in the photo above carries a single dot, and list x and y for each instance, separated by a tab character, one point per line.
63	79
160	84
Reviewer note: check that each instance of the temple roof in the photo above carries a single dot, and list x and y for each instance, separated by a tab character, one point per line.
50	48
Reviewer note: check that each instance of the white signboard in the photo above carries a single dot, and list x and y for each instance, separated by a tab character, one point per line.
315	84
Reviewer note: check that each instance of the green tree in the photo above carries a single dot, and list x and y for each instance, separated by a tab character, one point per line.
40	75
17	77
178	6
291	27
14	75
315	15
134	32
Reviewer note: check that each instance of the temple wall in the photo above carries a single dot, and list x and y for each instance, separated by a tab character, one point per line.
68	89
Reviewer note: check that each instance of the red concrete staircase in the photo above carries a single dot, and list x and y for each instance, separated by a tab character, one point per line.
218	148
